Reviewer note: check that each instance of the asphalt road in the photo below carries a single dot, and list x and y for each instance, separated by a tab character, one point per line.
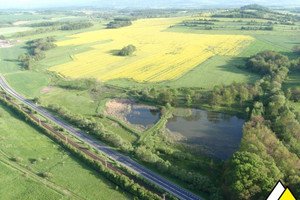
124	160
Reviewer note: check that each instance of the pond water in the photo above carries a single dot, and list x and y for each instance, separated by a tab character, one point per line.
219	133
143	116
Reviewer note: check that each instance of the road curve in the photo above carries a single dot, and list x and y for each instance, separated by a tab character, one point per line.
163	183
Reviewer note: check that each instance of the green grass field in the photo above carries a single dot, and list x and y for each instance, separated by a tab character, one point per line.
22	187
40	154
259	45
75	101
8	59
215	70
10	30
28	83
293	80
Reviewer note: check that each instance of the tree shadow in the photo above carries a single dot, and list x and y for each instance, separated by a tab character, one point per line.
237	65
114	52
11	60
16	61
291	55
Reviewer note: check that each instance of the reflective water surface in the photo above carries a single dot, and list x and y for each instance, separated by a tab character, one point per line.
219	133
143	116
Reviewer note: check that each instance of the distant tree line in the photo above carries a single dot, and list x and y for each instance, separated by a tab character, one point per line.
157	13
44	24
259	12
36	50
63	25
197	22
75	26
35	31
255	28
118	23
240	14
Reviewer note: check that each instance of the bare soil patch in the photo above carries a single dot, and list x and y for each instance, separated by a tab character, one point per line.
6	43
47	89
20	22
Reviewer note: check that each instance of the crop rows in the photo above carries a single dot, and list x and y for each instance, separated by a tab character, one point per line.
160	55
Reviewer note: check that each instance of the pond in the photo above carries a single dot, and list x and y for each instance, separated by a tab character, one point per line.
138	115
219	133
143	115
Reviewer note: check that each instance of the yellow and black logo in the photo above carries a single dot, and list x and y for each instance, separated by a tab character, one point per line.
279	192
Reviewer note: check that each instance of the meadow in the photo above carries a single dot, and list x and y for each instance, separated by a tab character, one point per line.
160	55
35	154
10	30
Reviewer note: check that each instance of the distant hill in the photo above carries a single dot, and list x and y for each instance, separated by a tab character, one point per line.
255	7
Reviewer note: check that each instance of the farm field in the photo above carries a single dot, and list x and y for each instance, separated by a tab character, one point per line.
10	30
23	187
203	76
38	154
29	83
8	59
293	80
160	55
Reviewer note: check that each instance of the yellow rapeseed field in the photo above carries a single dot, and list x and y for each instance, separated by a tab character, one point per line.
160	55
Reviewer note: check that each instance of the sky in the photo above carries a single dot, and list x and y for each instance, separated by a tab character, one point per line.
27	4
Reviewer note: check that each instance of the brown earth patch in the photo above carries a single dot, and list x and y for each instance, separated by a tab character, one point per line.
47	89
20	22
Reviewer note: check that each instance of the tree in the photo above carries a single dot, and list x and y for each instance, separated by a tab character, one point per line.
188	99
267	62
249	177
127	50
165	97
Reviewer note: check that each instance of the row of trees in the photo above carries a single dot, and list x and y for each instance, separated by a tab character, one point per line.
63	25
92	127
36	50
256	28
78	84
